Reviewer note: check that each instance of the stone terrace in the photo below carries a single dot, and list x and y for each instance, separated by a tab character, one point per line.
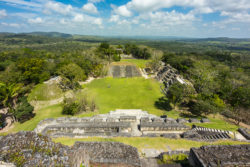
224	156
116	123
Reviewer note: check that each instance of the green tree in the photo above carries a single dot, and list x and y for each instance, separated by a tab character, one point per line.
73	72
23	110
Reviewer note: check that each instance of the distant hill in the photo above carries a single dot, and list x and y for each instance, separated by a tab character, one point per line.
51	34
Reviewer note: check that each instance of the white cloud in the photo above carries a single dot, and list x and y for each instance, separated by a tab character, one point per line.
78	18
37	20
57	7
95	1
14	25
90	8
114	18
3	13
22	2
98	21
122	10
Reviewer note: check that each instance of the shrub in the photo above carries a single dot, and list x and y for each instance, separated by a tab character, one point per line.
70	107
175	158
23	111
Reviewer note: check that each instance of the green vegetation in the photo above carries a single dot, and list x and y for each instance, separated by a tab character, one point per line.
43	92
170	159
141	63
125	93
46	112
147	142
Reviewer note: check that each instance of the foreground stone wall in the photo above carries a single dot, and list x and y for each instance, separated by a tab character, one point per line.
32	149
224	156
110	153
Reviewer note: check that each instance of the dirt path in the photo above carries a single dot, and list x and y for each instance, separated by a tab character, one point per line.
241	123
9	125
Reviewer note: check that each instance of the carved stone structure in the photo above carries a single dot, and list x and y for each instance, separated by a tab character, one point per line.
115	123
245	133
206	134
120	71
224	156
168	75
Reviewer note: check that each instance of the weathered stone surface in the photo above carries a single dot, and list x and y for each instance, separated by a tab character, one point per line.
191	134
31	149
205	120
193	120
224	156
245	133
161	126
120	71
182	120
114	153
4	164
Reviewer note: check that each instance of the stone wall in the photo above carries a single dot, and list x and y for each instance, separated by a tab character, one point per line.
223	156
32	149
110	153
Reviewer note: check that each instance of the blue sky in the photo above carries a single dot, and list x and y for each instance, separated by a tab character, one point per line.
183	18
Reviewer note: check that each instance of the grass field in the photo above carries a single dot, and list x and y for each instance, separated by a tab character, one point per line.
45	92
138	62
146	142
125	93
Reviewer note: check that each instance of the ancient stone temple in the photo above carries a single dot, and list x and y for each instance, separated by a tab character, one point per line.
168	75
116	123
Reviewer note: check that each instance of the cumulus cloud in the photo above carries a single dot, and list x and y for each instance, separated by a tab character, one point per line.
78	18
122	10
114	18
37	20
98	21
90	8
3	13
56	7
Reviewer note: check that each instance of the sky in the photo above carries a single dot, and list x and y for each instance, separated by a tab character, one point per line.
179	18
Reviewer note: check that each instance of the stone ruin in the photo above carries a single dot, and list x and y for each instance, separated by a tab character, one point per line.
245	132
125	123
202	133
124	71
31	149
128	123
168	75
223	156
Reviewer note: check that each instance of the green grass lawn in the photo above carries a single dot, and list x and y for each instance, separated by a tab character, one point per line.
147	142
125	93
45	92
141	63
47	112
217	123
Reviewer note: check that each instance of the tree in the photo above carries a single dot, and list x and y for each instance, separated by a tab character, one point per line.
33	70
240	101
23	110
73	72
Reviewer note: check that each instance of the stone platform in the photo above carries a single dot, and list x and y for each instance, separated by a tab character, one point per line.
126	123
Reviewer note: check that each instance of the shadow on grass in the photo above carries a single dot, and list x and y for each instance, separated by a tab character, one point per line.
163	104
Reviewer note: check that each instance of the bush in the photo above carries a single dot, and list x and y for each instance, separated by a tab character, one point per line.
23	111
70	107
116	57
175	158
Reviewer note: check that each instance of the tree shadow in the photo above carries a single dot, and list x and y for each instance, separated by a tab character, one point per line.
163	104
